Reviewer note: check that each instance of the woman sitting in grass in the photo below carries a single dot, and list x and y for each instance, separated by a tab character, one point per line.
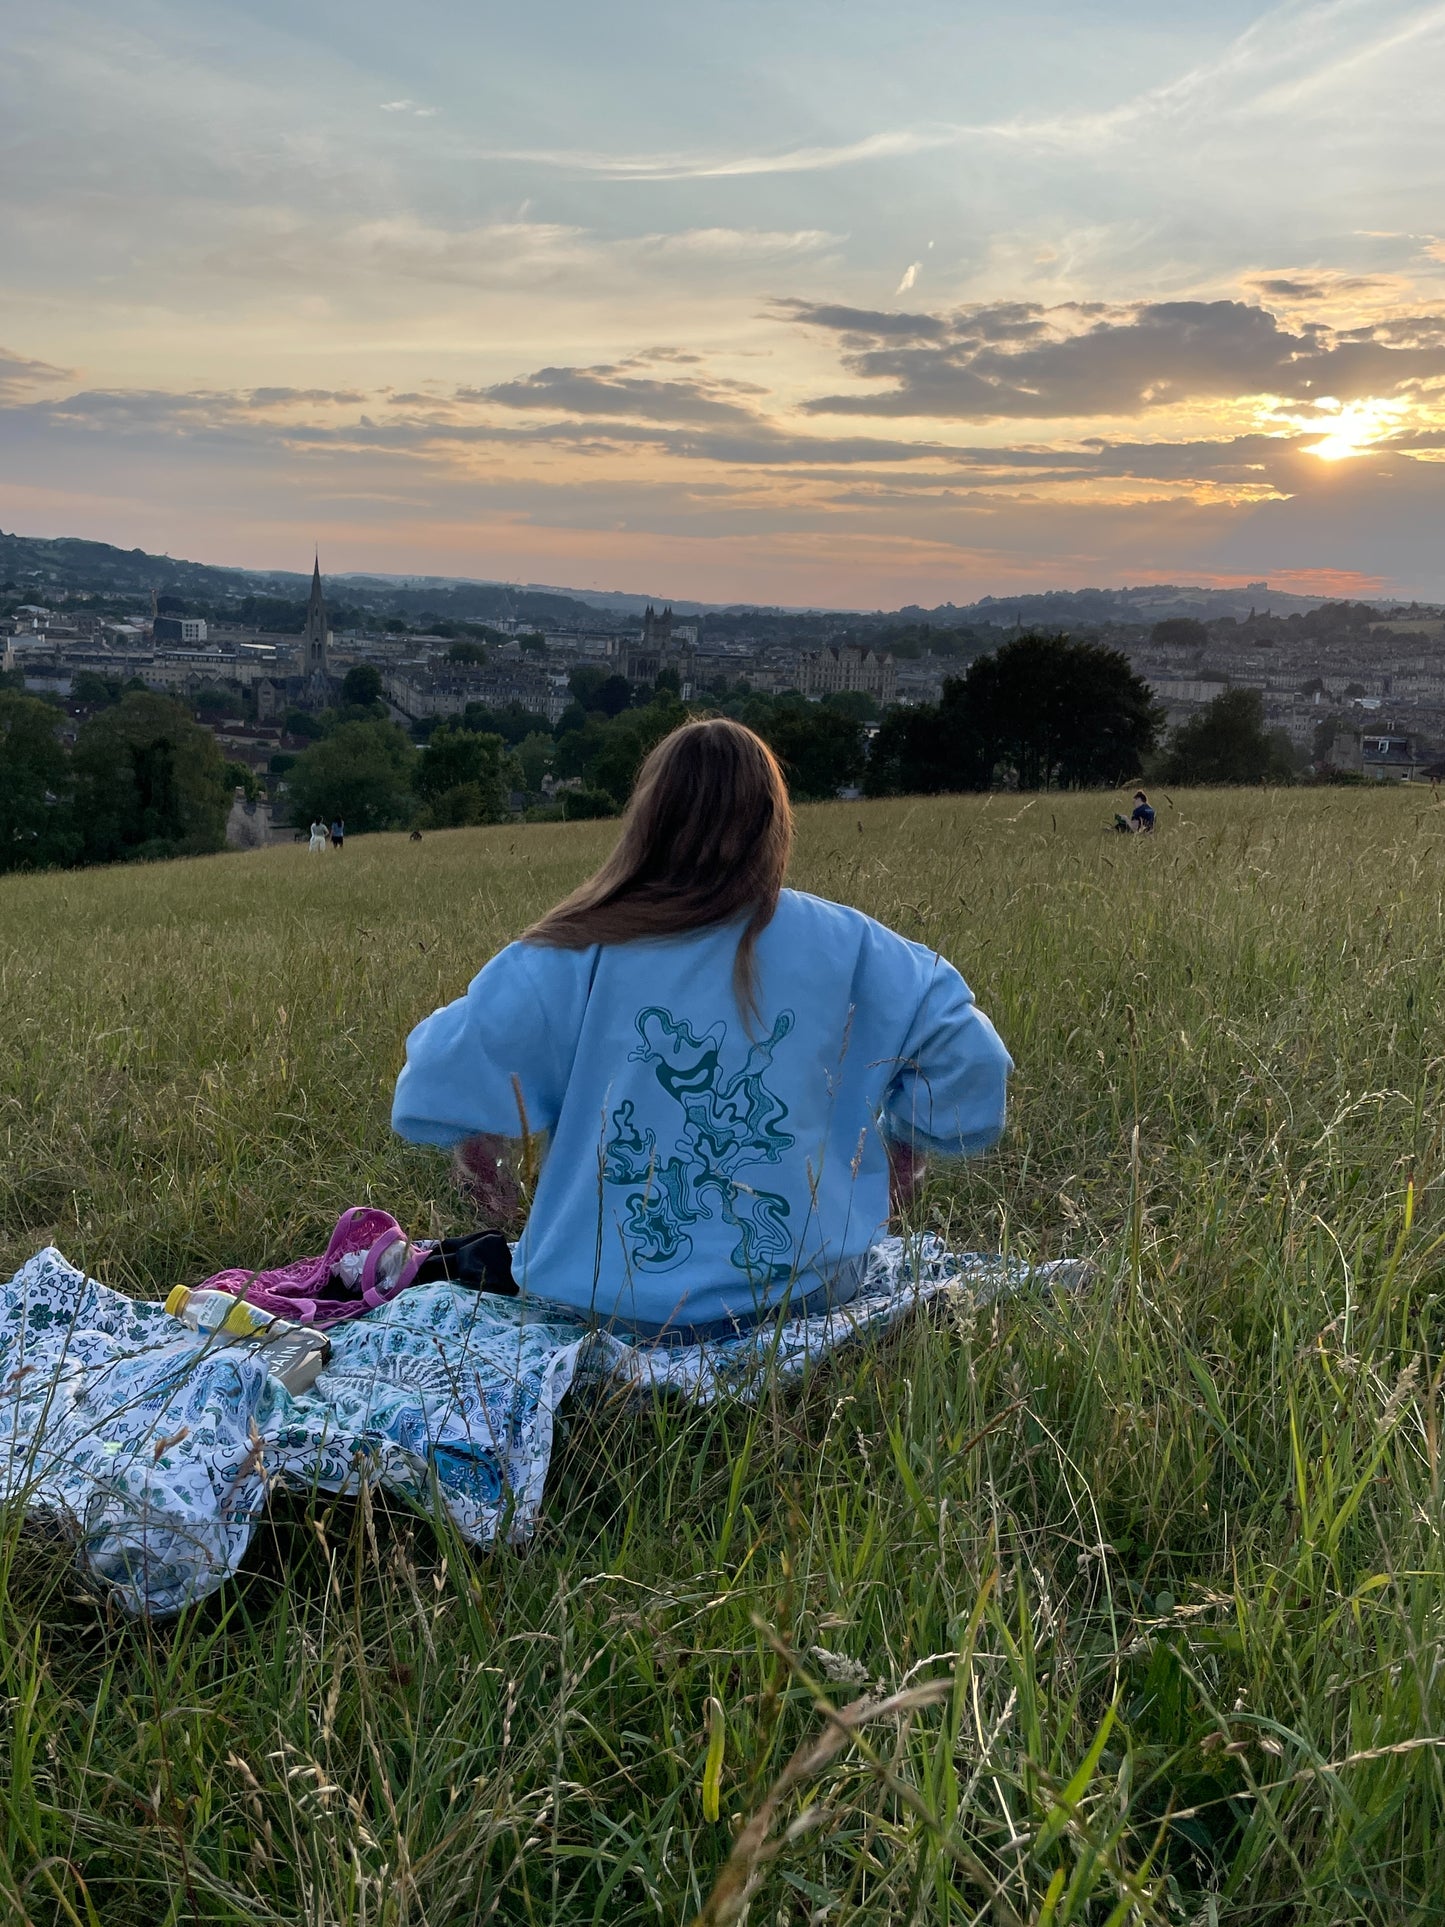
724	1069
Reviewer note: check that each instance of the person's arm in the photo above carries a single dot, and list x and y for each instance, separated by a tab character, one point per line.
487	1064
949	1095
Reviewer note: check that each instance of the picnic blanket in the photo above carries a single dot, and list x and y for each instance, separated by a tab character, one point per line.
155	1449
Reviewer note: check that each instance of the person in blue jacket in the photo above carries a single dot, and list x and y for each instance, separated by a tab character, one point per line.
724	1069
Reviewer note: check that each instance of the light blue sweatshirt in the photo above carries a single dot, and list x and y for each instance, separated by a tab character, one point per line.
697	1173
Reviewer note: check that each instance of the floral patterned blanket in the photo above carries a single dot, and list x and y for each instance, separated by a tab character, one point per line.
155	1449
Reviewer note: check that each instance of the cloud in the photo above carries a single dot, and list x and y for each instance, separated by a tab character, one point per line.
888	145
20	376
606	391
910	275
289	397
1024	361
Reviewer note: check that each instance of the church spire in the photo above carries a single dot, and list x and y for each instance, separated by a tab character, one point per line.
317	634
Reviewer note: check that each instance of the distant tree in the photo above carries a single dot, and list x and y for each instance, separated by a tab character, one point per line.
1179	632
627	739
301	722
1047	711
457	760
361	685
585	806
94	691
1057	713
920	752
211	700
820	750
668	683
577	749
534	758
239	776
1227	742
613	697
584	682
469	654
533	645
37	827
360	772
149	781
512	722
856	704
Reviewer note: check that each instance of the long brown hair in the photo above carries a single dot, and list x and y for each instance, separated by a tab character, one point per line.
706	837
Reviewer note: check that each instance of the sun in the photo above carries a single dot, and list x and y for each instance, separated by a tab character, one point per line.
1355	429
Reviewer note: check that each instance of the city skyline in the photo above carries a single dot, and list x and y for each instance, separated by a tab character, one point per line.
777	305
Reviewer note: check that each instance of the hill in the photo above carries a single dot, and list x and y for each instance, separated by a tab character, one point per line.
1170	1549
38	566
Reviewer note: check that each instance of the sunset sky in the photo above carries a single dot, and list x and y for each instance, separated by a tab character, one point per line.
796	301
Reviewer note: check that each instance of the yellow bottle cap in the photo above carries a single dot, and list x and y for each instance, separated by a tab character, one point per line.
176	1302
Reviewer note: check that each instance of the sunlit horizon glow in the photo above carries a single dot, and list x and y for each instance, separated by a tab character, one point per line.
775	305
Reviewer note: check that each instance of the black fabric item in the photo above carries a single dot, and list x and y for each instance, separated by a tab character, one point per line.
481	1261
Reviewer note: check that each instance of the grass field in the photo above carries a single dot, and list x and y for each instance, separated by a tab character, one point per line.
1173	1548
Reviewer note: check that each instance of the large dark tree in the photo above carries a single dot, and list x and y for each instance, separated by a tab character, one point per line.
361	685
148	782
821	751
37	828
925	750
1043	710
1227	742
1057	713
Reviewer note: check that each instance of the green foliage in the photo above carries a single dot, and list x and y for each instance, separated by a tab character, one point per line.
149	782
626	740
94	691
469	654
241	776
37	828
819	747
534	759
511	722
361	772
361	685
1058	713
1227	742
585	806
856	704
459	777
301	722
1160	1558
213	701
1042	711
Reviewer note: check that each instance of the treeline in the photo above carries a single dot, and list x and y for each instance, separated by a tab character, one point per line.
142	779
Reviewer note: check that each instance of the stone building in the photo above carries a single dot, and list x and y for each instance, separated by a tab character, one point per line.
849	666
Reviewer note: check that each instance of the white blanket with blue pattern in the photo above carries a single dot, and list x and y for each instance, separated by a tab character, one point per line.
156	1450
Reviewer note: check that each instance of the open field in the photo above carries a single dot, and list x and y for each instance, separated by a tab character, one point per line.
1174	1545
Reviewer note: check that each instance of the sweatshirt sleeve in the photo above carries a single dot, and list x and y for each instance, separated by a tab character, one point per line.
948	1095
461	1061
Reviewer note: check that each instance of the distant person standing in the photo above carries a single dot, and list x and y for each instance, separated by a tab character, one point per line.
318	837
338	832
1143	817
